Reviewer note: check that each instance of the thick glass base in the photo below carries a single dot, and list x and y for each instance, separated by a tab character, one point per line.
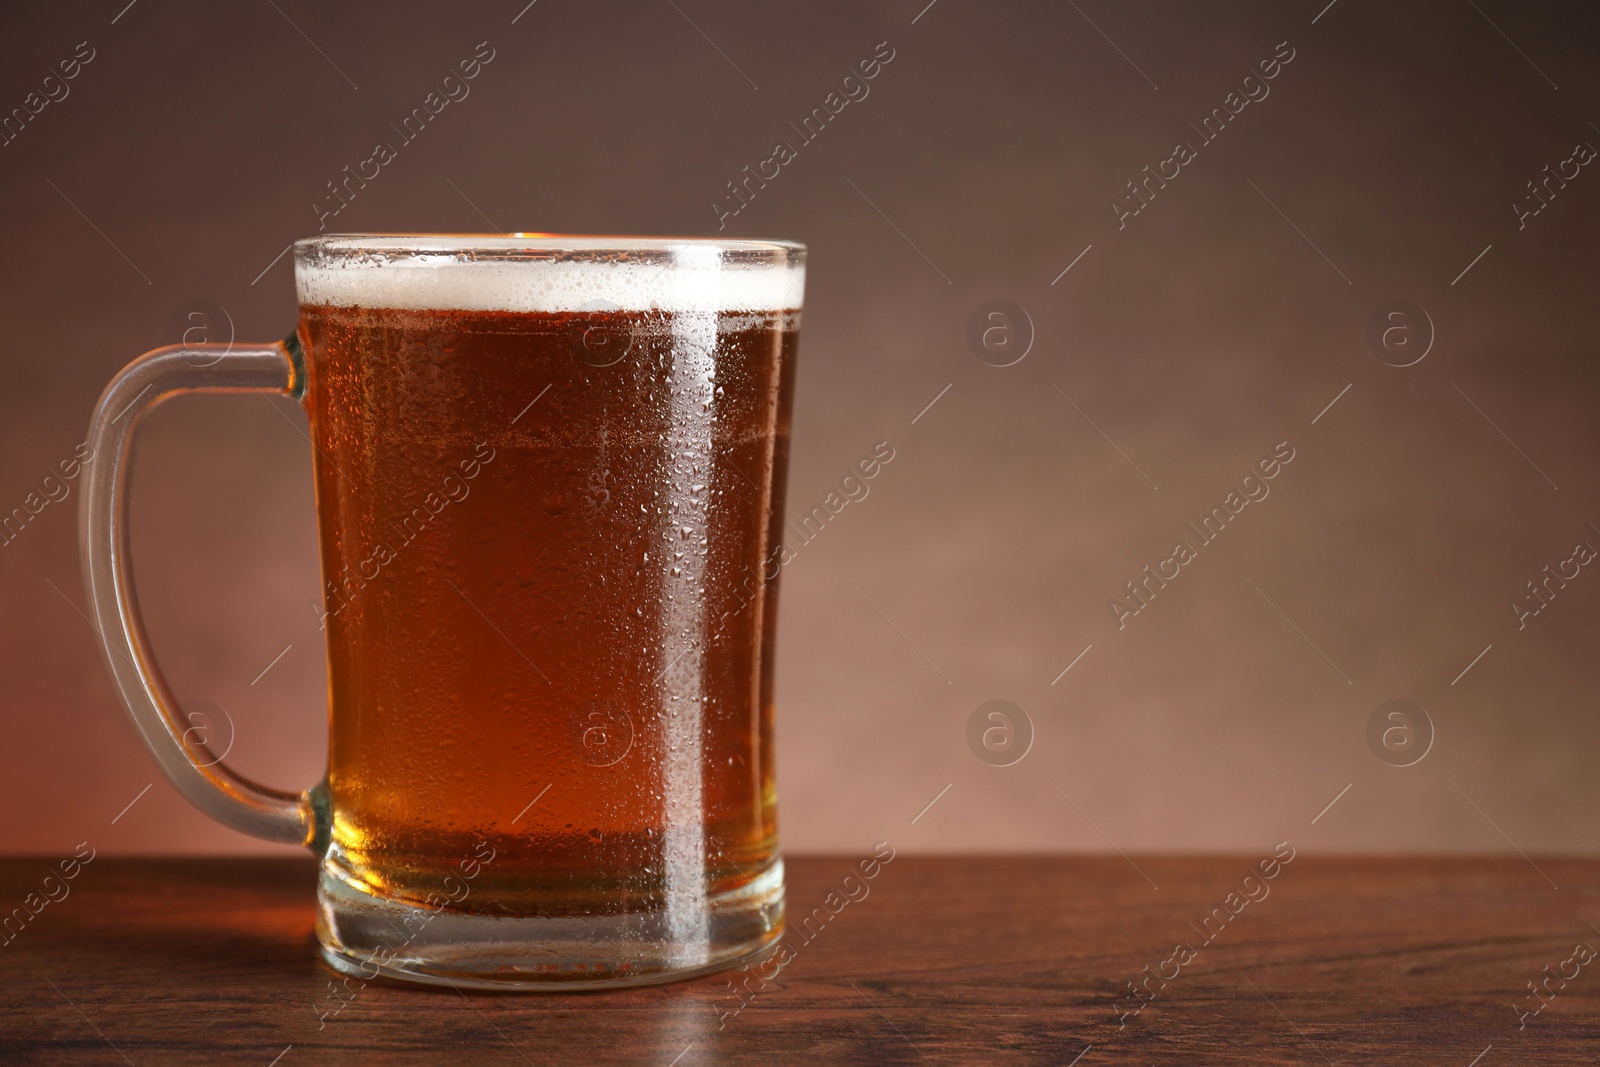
368	936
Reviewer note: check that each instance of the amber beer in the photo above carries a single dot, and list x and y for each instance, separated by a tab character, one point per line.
545	534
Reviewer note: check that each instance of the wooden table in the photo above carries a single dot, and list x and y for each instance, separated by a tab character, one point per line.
945	961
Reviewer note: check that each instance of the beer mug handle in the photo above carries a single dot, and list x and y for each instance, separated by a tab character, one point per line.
188	763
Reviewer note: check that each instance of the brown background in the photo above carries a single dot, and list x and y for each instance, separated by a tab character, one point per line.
1196	339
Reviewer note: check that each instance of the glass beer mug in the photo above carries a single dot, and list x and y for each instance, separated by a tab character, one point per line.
549	478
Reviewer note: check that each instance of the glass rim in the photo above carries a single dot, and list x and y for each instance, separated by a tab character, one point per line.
538	246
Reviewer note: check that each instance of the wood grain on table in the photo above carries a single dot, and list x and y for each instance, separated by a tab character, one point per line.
950	960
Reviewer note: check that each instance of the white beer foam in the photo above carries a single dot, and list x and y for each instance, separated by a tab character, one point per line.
697	278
